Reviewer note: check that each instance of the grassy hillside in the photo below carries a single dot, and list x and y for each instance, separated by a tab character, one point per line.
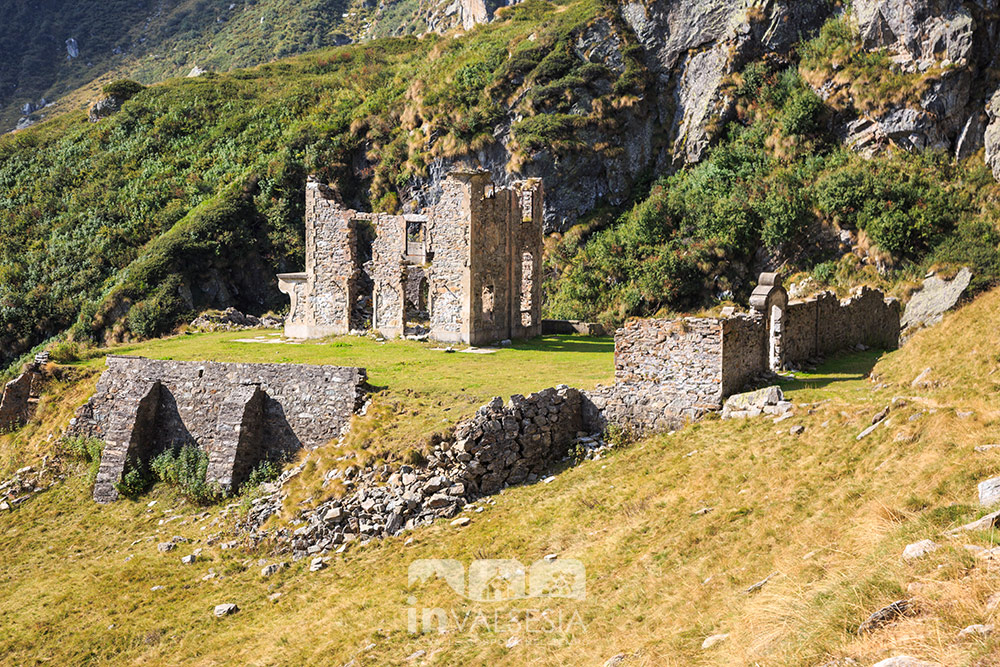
823	514
191	196
154	40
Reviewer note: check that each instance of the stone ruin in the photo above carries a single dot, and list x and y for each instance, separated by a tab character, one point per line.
671	371
466	270
240	414
20	396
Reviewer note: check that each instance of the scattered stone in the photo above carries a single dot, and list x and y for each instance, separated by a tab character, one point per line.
993	602
760	584
986	448
904	661
976	631
886	615
461	521
769	400
987	522
157	588
615	660
703	511
797	430
164	547
512	642
881	415
919	549
416	655
271	569
868	431
317	564
191	558
989	492
225	609
922	381
713	641
551	557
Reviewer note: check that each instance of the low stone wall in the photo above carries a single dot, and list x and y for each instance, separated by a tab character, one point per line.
744	352
503	444
237	413
824	324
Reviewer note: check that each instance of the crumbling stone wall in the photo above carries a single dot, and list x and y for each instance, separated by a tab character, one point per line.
502	445
322	301
238	413
670	371
15	404
389	275
824	324
481	253
744	352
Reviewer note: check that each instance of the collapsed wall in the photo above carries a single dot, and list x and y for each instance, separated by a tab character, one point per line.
501	445
16	402
239	414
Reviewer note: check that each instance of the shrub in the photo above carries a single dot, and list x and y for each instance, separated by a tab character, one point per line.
136	479
186	467
123	89
266	471
801	112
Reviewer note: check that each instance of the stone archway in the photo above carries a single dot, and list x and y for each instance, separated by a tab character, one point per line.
770	301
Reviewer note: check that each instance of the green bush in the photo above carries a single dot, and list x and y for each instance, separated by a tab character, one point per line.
265	471
802	112
123	89
136	479
186	467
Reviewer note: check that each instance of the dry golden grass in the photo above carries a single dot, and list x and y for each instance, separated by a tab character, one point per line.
824	514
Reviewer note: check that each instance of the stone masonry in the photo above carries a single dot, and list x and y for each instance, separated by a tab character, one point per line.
501	445
478	250
239	414
671	371
16	401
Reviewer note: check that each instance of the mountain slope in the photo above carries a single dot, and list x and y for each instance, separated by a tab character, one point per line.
52	47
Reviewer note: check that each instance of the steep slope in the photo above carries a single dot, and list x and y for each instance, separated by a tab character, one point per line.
50	48
672	532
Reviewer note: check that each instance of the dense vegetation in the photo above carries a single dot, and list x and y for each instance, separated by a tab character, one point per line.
190	196
776	190
153	40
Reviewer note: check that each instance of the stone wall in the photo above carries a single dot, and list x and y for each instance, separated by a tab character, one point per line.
15	404
671	371
389	275
238	413
824	324
502	445
744	352
480	248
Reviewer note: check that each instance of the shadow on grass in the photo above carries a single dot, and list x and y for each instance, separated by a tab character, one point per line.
568	343
844	367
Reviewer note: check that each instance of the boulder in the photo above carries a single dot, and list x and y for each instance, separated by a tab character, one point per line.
989	492
919	549
226	609
752	403
928	305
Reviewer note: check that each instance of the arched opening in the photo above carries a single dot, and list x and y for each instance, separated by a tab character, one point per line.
527	289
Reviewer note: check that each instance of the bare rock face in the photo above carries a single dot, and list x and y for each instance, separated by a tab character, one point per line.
693	45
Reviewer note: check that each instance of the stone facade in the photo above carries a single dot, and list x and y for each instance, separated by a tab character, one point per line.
671	371
478	250
239	414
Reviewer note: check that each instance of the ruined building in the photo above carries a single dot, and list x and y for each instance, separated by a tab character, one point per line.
671	371
239	414
466	270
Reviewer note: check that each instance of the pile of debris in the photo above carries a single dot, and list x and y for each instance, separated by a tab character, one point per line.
233	320
502	445
27	482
